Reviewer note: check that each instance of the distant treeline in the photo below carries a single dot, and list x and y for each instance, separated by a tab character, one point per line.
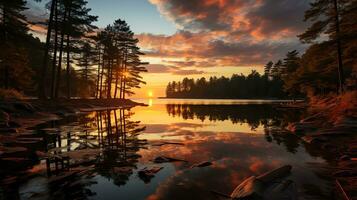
270	85
251	86
329	64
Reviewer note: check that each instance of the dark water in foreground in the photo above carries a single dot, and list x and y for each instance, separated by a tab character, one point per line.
98	155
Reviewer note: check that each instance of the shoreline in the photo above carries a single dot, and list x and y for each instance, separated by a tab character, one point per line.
317	129
331	127
17	116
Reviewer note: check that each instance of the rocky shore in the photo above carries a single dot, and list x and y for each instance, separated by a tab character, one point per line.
18	115
331	126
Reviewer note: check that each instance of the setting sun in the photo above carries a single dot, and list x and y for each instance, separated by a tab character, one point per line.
150	94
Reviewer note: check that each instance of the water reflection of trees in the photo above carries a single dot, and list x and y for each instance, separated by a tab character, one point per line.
268	116
77	149
254	115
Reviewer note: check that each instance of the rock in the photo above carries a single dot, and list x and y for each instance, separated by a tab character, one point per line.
163	159
314	140
250	188
14	124
329	146
123	170
345	157
41	154
168	143
8	130
254	187
301	127
345	173
14	151
275	174
202	164
147	174
4	119
284	190
23	106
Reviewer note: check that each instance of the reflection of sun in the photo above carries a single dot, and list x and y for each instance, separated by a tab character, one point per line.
150	94
150	102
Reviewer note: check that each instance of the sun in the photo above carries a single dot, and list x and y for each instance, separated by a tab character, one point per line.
150	94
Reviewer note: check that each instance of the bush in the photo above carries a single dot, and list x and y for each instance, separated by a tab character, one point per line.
10	94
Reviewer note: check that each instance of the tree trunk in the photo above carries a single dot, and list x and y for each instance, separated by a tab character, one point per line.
110	75
341	77
117	74
59	68
125	72
101	79
122	77
42	81
98	74
68	89
54	59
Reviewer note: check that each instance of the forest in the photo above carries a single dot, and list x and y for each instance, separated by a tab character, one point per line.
270	85
77	58
328	66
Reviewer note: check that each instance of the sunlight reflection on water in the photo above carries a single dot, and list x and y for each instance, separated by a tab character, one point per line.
241	139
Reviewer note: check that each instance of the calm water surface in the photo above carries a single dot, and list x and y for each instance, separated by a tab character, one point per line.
98	155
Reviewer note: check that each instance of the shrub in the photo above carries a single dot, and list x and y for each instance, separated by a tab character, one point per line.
10	94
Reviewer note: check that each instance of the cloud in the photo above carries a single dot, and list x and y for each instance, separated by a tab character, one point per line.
227	32
172	69
240	17
204	50
188	72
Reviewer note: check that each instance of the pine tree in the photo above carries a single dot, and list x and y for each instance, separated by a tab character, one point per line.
85	62
267	68
276	70
79	24
326	16
13	31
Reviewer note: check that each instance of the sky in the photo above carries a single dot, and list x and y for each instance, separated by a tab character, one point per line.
203	38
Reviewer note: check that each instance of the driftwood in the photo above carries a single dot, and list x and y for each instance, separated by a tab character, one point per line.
255	187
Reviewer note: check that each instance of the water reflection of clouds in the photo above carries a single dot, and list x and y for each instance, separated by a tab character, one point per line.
235	157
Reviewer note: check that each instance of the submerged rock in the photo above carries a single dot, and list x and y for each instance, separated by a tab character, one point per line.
147	174
164	159
256	187
202	164
301	127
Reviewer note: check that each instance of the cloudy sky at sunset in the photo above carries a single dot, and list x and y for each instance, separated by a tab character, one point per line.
198	38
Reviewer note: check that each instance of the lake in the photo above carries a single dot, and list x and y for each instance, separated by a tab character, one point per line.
99	155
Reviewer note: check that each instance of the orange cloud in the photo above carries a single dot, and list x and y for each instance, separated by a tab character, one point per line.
227	32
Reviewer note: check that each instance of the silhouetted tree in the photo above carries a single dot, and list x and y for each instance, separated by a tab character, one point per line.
238	87
326	15
13	29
